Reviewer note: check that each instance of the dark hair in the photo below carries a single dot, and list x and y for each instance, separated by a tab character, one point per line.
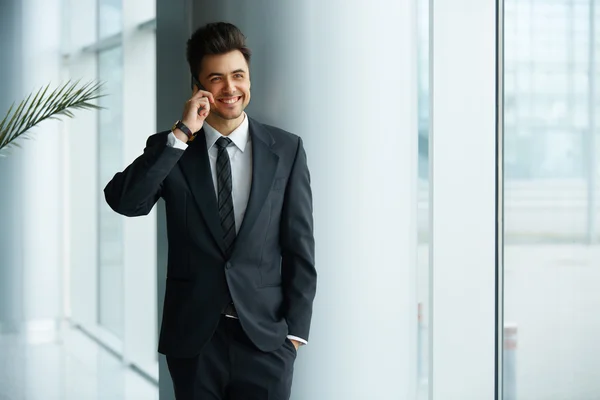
215	38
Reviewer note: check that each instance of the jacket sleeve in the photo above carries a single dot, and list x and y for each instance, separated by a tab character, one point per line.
299	276
134	191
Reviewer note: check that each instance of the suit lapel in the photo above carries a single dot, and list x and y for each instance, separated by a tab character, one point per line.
264	165
195	166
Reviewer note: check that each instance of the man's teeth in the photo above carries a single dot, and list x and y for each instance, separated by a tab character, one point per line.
229	101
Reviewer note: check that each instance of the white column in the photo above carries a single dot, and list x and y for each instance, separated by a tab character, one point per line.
42	174
82	172
139	234
11	228
355	105
31	200
31	192
464	199
343	76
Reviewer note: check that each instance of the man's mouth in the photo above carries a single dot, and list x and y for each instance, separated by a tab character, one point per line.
230	100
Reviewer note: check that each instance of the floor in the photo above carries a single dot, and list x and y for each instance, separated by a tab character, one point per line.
69	366
551	296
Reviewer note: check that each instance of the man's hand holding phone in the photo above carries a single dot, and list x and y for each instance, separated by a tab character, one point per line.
195	111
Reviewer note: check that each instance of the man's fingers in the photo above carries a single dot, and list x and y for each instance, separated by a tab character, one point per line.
200	102
203	107
203	102
203	93
210	96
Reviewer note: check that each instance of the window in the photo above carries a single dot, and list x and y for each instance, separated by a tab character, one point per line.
110	160
110	17
551	252
113	258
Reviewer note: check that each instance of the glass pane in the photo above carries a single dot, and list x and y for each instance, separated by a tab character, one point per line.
110	159
423	223
551	245
110	16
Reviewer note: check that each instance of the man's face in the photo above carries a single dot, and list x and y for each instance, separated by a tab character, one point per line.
227	77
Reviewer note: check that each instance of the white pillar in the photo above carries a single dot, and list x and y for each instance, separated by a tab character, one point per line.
139	234
343	76
31	194
83	187
11	184
464	199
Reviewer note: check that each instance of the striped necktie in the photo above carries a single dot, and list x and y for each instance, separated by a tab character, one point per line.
225	196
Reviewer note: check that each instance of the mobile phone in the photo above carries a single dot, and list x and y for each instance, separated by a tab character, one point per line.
196	82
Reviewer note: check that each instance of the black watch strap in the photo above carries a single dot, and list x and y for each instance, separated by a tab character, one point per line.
181	126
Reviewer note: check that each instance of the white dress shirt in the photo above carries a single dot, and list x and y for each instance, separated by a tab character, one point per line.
240	157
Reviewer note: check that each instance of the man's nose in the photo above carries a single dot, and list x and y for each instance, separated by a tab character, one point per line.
229	86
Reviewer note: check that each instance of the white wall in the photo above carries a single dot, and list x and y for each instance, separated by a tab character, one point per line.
11	253
85	197
31	194
31	187
360	127
464	199
343	76
81	174
139	58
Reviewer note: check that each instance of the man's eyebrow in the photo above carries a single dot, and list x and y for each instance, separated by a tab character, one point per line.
237	71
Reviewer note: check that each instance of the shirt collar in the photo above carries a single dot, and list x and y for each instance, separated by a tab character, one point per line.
239	136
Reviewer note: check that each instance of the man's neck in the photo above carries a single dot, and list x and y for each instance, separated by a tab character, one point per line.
224	126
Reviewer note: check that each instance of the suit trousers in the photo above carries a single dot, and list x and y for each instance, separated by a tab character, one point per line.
230	367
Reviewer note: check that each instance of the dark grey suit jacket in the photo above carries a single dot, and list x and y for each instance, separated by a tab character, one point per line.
271	272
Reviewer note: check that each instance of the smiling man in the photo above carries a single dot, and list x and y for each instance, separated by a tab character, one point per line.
241	275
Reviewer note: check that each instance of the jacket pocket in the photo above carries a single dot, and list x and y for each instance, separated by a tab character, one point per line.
271	279
270	284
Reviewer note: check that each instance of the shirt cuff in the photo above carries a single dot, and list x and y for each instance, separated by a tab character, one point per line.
296	338
172	141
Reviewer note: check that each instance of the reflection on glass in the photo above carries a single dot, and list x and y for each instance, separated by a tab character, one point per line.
110	17
551	252
423	223
110	158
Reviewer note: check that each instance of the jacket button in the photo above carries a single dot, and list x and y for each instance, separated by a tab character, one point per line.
228	265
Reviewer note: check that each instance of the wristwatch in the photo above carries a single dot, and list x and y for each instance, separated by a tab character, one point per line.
181	126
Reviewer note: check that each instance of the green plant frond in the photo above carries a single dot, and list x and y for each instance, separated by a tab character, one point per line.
45	104
4	121
63	112
9	128
59	94
23	121
39	105
87	106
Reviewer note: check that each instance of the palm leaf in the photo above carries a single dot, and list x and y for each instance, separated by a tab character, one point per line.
31	111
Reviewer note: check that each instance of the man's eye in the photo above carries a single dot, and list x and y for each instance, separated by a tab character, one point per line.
215	79
239	76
